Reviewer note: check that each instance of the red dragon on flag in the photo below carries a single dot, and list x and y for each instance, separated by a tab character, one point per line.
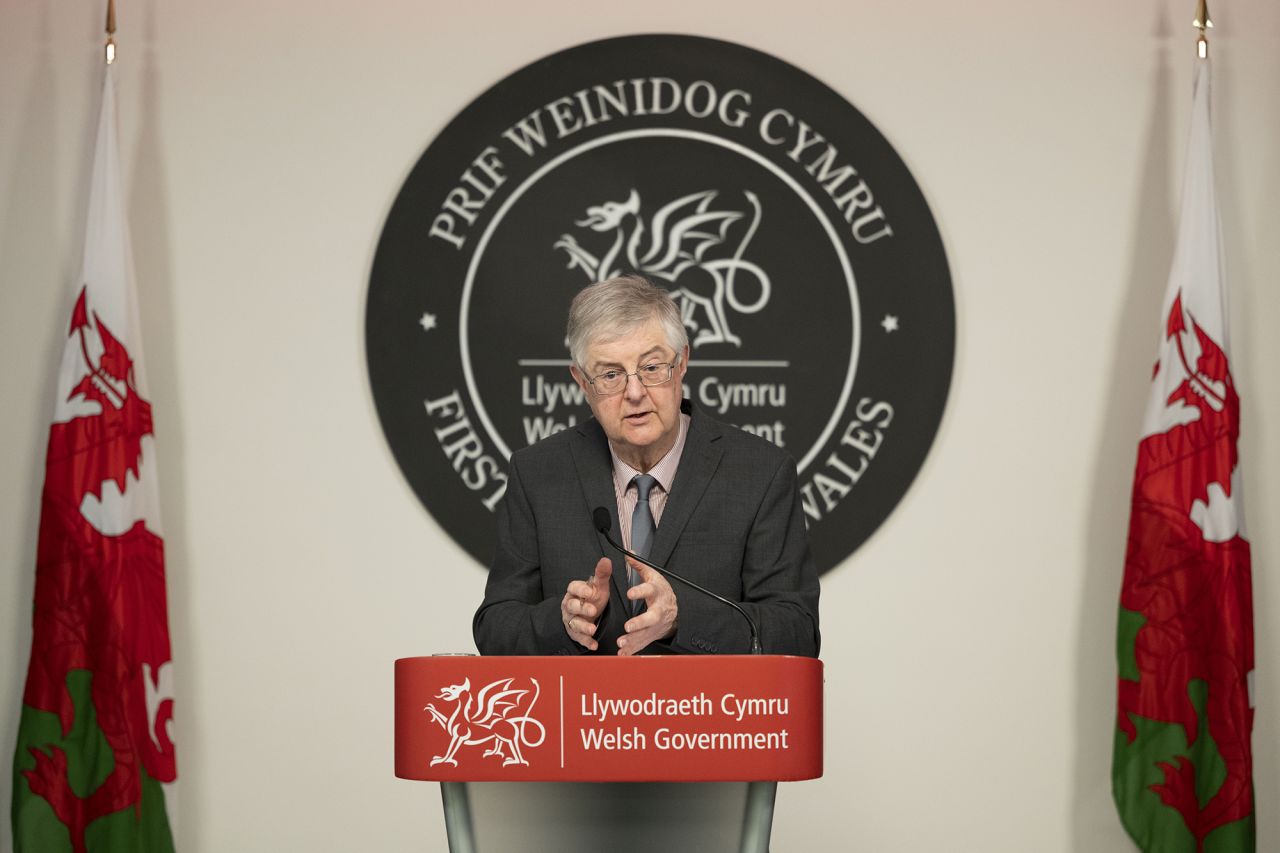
1187	583
100	599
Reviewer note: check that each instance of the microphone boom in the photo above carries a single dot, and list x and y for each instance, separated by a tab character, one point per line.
604	523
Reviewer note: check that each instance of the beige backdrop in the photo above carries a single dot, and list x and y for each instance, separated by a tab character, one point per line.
968	645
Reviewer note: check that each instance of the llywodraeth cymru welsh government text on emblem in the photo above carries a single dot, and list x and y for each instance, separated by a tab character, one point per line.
808	267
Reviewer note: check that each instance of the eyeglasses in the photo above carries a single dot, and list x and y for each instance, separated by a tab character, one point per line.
613	381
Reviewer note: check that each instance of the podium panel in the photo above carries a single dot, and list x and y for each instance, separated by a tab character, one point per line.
590	719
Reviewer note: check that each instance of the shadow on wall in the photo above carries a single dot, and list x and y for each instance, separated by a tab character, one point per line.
1135	349
148	211
31	237
1244	285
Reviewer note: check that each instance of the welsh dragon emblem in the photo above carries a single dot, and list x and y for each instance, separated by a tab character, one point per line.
489	718
688	244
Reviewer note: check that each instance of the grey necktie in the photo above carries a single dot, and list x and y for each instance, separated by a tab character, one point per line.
642	528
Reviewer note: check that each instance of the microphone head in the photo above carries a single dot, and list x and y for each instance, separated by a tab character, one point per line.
602	519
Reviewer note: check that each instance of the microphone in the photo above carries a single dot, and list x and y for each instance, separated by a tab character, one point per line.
604	523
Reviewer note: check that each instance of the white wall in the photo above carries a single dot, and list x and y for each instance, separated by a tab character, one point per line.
969	644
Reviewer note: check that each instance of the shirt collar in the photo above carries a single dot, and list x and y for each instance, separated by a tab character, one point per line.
664	472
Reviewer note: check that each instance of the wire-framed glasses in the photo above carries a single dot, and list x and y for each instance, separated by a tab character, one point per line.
613	381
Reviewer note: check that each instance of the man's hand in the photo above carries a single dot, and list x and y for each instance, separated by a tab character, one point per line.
658	621
583	603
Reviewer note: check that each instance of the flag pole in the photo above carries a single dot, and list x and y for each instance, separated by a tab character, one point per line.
1202	23
111	31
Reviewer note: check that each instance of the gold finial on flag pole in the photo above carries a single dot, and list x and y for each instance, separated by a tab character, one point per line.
1202	23
111	31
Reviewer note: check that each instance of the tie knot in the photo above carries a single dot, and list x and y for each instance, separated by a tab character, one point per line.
644	483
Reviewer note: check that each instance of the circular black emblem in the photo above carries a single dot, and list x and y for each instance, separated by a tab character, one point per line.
809	270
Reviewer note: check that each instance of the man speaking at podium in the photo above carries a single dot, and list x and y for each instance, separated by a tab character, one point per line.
706	500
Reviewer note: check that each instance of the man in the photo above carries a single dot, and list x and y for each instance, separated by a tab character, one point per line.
722	509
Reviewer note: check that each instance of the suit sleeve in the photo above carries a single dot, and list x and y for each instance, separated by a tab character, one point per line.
517	616
779	584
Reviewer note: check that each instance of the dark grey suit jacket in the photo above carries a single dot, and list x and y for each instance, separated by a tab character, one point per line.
732	523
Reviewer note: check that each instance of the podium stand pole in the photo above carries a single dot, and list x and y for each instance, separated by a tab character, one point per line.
758	822
457	817
615	733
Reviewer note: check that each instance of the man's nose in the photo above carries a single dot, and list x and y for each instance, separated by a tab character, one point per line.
635	388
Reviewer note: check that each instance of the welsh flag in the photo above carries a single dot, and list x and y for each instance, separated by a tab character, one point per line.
1182	770
95	758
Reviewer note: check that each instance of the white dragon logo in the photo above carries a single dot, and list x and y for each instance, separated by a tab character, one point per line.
484	719
678	238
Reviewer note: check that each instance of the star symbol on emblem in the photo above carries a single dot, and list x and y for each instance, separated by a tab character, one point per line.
428	322
890	323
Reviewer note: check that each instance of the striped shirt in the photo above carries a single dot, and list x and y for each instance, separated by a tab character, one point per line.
624	489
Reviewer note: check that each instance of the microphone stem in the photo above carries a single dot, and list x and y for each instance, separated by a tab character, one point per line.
756	648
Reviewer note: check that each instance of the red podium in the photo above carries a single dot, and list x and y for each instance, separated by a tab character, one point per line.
755	719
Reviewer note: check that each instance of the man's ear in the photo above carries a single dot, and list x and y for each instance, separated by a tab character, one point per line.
579	378
684	360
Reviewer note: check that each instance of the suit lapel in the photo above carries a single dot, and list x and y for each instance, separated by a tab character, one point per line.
595	473
697	466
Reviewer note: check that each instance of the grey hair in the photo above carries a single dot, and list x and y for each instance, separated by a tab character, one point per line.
614	307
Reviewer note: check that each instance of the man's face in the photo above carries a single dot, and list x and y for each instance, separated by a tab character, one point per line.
642	422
